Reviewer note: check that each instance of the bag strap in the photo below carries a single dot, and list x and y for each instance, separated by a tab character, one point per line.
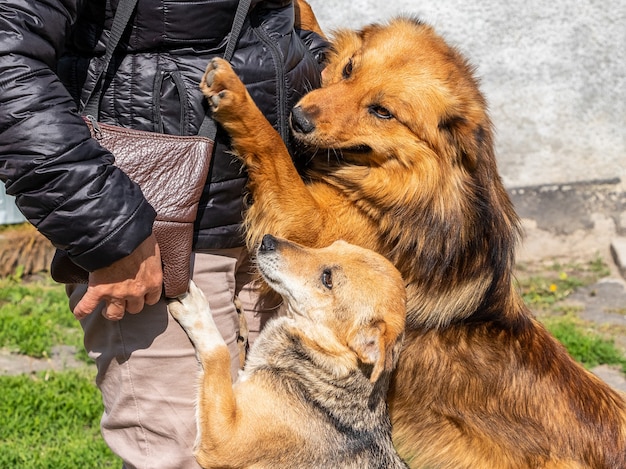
121	19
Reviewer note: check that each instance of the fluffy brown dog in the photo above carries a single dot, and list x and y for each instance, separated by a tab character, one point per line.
405	166
313	392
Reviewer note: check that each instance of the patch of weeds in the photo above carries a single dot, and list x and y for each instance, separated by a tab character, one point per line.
542	292
583	344
35	316
620	311
15	227
51	420
542	287
598	267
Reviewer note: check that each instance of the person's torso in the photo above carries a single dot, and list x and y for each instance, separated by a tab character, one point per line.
152	83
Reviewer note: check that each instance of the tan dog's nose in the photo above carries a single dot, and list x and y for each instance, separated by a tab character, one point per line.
268	243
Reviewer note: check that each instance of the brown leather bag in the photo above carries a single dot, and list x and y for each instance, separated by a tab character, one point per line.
171	171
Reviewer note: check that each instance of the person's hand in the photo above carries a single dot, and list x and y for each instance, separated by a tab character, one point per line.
126	285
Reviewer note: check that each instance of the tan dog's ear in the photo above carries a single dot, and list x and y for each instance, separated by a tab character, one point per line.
370	346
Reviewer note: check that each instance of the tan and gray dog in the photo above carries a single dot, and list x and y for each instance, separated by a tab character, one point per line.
314	387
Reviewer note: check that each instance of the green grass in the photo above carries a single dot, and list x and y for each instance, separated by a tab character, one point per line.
583	343
51	420
35	317
543	290
47	420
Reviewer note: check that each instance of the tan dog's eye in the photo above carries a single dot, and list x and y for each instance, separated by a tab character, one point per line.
347	70
381	112
327	279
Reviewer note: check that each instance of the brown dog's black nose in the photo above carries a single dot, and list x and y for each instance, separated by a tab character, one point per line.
268	243
300	122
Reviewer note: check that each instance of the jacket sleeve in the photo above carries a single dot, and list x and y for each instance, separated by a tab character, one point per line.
63	180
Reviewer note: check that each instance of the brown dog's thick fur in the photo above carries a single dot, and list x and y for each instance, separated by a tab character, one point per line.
404	165
313	392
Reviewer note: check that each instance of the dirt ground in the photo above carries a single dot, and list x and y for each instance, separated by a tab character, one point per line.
63	358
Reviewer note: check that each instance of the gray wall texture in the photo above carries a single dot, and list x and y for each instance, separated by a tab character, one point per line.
553	73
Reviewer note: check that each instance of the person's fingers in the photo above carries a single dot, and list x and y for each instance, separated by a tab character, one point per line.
114	310
126	285
134	305
87	304
153	296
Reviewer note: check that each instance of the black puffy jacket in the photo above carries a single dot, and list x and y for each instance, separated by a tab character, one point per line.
64	182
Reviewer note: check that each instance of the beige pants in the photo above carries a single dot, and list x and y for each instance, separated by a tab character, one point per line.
147	369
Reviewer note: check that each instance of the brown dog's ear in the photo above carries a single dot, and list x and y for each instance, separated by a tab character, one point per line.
370	346
305	18
457	132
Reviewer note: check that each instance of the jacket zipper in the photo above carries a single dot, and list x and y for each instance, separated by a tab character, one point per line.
279	68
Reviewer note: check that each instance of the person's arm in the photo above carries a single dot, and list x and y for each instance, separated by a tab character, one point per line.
64	182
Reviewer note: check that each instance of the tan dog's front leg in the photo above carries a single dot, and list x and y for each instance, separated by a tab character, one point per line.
193	313
216	413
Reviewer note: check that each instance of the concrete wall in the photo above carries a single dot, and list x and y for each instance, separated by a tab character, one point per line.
554	74
9	214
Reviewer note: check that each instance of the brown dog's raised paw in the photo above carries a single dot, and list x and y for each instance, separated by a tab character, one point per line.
222	87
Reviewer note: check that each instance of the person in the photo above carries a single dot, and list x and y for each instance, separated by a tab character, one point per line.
65	184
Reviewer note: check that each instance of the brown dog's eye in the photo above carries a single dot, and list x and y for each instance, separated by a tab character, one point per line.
347	70
381	112
327	279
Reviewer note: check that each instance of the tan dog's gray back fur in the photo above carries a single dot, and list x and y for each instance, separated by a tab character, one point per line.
346	416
